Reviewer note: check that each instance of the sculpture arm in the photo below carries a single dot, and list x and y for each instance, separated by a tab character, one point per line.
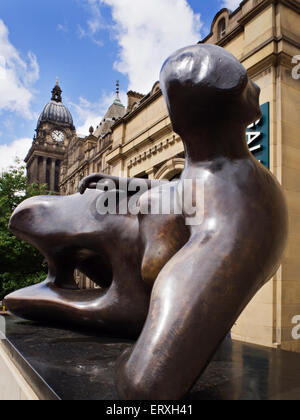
91	181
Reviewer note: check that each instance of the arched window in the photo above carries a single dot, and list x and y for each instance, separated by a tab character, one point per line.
221	28
171	170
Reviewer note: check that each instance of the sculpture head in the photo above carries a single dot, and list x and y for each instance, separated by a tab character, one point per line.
203	84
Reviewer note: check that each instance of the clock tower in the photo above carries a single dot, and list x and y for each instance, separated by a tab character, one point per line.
54	131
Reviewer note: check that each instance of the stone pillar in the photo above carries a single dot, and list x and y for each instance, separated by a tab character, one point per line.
52	175
44	171
33	174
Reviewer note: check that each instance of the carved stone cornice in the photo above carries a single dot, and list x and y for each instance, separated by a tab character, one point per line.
153	150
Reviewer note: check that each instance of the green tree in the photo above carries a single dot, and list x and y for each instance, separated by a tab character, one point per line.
20	264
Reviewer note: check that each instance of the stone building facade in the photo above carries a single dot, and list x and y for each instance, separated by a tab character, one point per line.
86	155
138	141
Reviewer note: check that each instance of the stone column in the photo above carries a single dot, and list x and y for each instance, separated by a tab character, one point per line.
44	171
35	170
52	175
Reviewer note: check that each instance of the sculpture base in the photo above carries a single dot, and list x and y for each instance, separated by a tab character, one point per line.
72	365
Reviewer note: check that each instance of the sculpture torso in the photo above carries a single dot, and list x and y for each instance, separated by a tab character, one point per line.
246	213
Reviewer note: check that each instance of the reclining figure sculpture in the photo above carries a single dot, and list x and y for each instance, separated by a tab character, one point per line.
179	287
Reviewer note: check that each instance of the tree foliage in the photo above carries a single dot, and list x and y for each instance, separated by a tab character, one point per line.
20	264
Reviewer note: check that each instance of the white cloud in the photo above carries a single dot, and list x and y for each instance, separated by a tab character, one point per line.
94	23
91	113
16	76
81	32
16	150
63	27
147	33
87	115
231	4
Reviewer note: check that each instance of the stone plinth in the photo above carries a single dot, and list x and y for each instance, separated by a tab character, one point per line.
74	365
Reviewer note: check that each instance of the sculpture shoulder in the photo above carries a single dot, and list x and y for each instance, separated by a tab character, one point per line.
246	176
240	194
259	184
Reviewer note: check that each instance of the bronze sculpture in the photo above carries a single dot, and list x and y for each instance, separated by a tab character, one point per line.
181	286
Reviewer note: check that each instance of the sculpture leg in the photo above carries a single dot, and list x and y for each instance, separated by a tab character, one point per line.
196	299
120	306
108	310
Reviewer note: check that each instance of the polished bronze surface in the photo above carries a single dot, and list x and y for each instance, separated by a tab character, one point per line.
79	365
180	286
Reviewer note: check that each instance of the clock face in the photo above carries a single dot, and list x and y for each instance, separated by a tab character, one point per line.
58	135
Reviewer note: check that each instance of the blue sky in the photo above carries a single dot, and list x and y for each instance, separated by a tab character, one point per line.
88	44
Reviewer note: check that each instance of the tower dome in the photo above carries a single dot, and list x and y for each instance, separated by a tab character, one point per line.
55	111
